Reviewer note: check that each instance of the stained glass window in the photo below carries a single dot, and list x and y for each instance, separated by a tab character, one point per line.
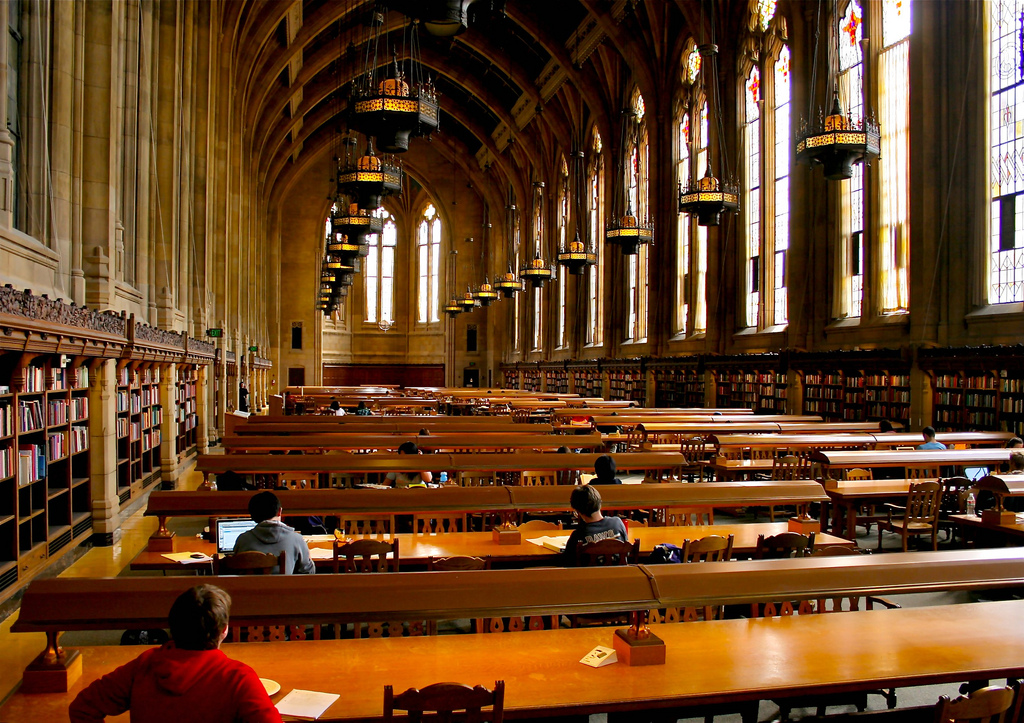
851	95
379	271
783	145
894	93
692	66
637	272
896	21
595	276
699	298
752	204
765	13
428	252
684	229
1006	108
563	242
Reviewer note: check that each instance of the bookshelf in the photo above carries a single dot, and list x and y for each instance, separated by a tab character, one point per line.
587	382
510	376
947	401
976	388
678	387
825	395
139	413
45	502
185	409
772	391
531	380
737	390
887	396
627	384
1010	402
853	397
556	381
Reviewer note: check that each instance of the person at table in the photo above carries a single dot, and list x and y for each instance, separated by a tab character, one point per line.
363	411
885	427
336	409
605	469
585	501
1014	443
271	535
186	679
929	440
407	479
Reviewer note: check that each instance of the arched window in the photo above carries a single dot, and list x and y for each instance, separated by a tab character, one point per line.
783	148
1006	250
563	242
851	96
595	277
692	250
700	317
752	200
684	229
379	271
428	253
536	294
637	164
894	94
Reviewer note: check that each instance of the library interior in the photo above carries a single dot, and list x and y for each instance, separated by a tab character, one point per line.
748	268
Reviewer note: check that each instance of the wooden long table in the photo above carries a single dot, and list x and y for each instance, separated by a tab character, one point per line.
848	496
843	459
416	549
389	425
733	442
342	441
740	660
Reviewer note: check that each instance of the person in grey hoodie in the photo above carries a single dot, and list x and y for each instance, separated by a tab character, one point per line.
273	536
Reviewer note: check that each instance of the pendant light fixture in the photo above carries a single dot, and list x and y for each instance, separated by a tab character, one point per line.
485	293
509	283
627	231
577	256
538	271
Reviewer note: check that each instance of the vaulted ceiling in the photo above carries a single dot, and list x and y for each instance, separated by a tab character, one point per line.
515	87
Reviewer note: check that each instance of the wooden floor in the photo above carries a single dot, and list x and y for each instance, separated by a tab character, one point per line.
17	651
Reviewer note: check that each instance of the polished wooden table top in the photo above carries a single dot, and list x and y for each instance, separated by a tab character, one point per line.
866	489
348	442
739	660
912	458
416	549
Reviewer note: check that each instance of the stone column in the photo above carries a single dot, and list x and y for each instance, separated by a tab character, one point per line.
169	426
106	517
202	437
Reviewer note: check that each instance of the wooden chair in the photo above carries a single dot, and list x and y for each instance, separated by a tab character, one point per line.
713	548
867	514
859	474
438	524
689	516
535	479
919	517
635	438
476	479
249	563
443	699
926	474
785	544
953	501
521	416
695	451
988	705
298	480
608	552
366	525
366	556
536	525
790	467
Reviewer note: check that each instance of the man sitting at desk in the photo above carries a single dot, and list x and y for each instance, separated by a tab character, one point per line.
271	535
593	526
406	479
929	440
186	679
605	469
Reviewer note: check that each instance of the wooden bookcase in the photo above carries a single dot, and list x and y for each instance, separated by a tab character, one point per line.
531	380
586	381
185	409
139	413
510	377
678	387
824	395
627	384
556	381
976	388
45	502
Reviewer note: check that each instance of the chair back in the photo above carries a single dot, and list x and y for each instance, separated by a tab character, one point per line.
458	563
859	474
955	491
605	553
298	480
521	416
988	705
792	467
689	516
923	503
535	525
365	556
468	478
529	478
713	548
249	563
785	544
761	453
438	524
923	473
636	437
366	525
444	699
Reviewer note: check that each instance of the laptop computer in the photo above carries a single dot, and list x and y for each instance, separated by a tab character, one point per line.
975	473
228	529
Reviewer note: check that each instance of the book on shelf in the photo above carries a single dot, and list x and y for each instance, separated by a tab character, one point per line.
31	413
31	464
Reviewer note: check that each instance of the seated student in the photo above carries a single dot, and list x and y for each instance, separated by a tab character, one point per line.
1015	443
187	679
929	440
885	427
593	526
405	479
604	468
362	410
336	409
271	535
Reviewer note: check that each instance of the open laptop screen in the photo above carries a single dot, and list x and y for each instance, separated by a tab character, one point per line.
975	473
228	529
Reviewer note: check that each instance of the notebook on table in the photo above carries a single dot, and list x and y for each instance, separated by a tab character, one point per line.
228	529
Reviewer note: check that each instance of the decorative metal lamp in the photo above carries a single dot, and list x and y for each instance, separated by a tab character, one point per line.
576	258
509	284
344	274
453	308
370	179
838	142
486	293
628	233
708	199
355	223
469	302
390	109
537	272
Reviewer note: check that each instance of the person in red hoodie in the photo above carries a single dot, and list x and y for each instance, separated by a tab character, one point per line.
187	679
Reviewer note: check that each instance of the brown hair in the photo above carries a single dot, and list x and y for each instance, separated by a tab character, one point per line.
585	499
199	617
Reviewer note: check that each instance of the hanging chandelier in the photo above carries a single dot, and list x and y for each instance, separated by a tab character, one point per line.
390	109
469	302
350	226
370	179
709	197
576	257
486	293
837	141
508	283
627	231
538	272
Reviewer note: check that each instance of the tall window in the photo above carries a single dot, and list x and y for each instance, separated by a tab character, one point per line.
752	206
538	246
700	317
1006	109
595	276
379	271
684	226
783	146
851	94
14	118
894	92
637	185
428	251
563	242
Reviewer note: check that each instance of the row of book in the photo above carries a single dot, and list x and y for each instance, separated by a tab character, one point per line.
6	421
31	464
150	439
152	417
30	415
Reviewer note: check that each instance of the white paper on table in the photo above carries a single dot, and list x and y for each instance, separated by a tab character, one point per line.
551	542
318	538
306	704
187	558
600	657
321	553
